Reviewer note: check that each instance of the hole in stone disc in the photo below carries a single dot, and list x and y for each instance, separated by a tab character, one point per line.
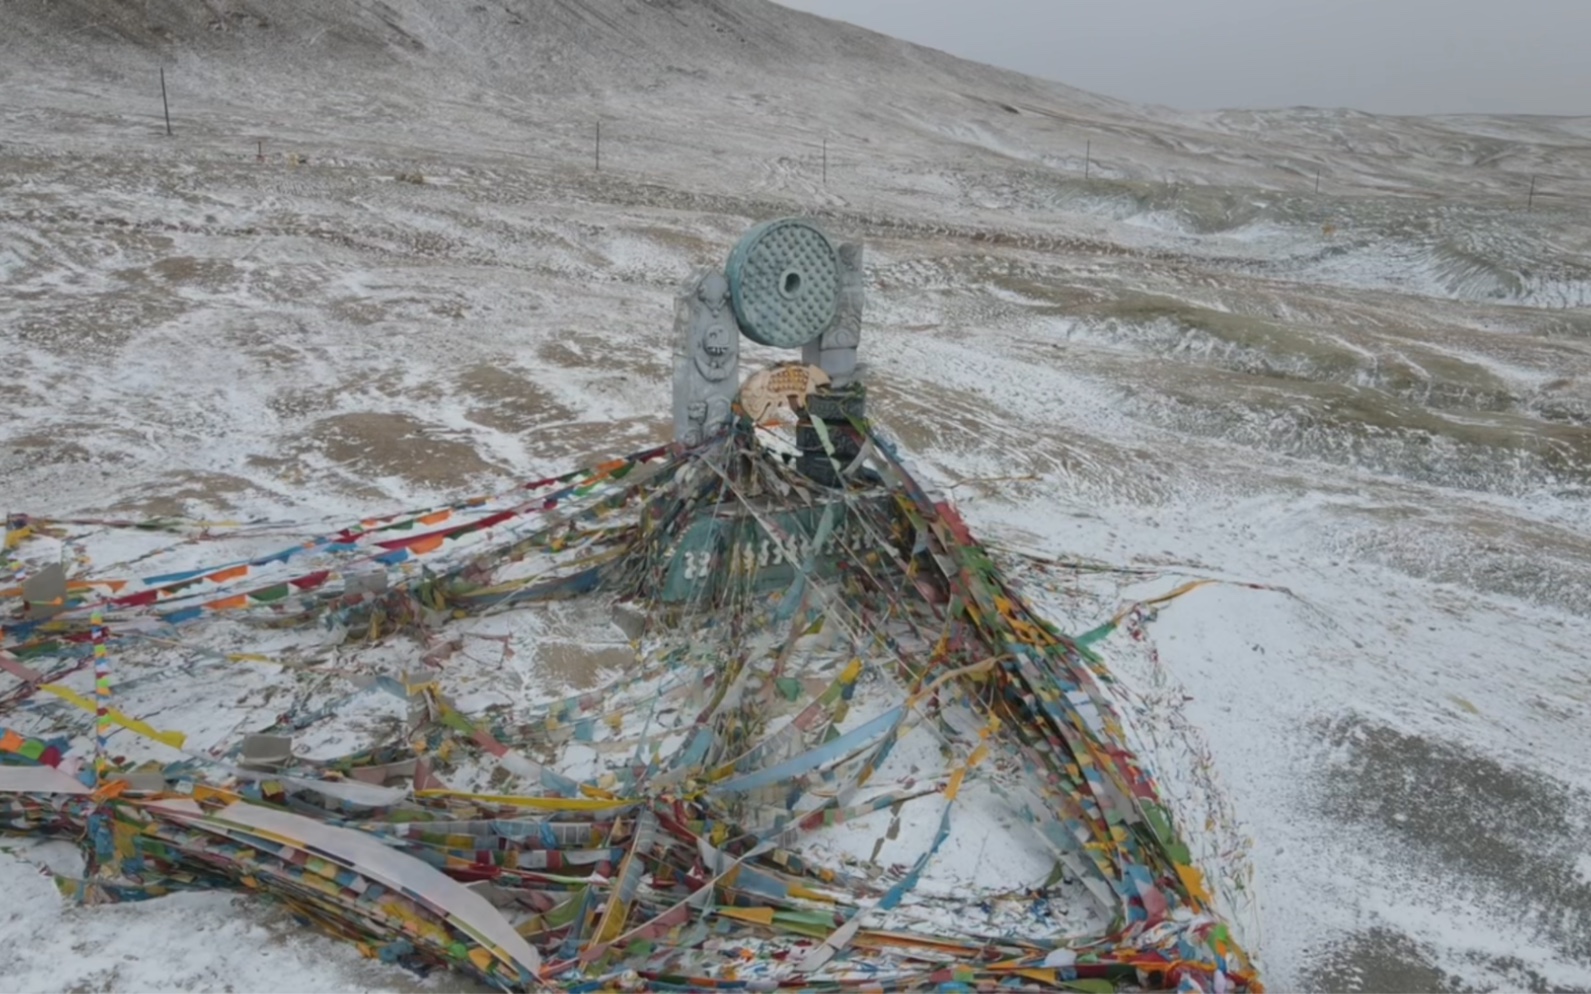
790	283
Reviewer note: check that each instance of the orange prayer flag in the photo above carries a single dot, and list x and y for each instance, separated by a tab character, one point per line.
430	543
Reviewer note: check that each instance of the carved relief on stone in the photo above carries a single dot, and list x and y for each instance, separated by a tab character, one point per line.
846	333
835	350
706	358
717	352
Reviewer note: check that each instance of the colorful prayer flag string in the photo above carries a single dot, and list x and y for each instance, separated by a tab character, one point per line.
102	719
699	862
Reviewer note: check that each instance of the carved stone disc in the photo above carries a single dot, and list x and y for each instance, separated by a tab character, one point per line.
784	283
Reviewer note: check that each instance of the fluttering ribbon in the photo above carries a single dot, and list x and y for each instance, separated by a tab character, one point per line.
105	715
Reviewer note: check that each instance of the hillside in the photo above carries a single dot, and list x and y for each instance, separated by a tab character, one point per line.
760	77
1176	357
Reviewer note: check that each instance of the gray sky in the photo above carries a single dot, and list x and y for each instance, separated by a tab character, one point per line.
1387	56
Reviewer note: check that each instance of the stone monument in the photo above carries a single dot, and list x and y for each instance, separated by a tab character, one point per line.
786	286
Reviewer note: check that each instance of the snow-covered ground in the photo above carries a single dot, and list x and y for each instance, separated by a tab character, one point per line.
1378	397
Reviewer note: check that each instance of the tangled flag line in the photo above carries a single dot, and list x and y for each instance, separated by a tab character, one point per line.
807	661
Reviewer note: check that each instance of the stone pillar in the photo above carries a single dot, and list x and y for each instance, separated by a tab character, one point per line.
706	358
835	350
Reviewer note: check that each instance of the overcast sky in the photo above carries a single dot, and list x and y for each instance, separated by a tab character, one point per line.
1387	56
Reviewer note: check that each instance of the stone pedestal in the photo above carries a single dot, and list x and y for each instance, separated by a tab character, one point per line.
838	409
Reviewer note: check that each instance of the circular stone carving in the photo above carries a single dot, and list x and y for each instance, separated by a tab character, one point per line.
784	283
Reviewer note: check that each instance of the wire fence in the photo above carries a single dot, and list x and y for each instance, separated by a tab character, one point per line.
769	158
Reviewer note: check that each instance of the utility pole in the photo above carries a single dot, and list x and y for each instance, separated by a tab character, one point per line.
163	101
1088	156
1530	204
